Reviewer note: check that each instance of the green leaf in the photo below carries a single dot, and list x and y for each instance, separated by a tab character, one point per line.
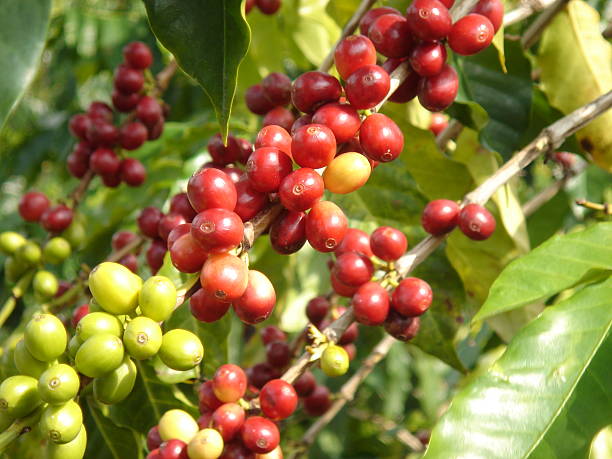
209	40
105	439
498	42
560	263
510	410
23	28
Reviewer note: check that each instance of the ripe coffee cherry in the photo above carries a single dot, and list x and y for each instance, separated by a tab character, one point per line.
372	15
313	146
156	130
233	173
278	399
228	420
205	419
187	255
122	238
341	288
153	438
317	309
288	232
471	34
301	121
209	188
207	397
78	314
279	116
429	20
268	6
342	119
427	58
347	172
77	166
381	139
437	92
249	201
334	361
112	180
104	161
258	300
278	354
100	110
229	383
440	216
261	373
305	384
274	136
137	55
128	80
412	297
79	124
223	154
257	101
206	308
167	223
371	304
260	435
102	133
173	449
224	276
388	243
32	205
130	261
132	135
56	219
318	402
476	222
176	233
277	88
148	221
301	189
438	123
125	103
391	35
355	240
266	168
156	253
326	226
271	333
493	10
312	89
353	269
217	230
400	327
367	86
409	87
179	204
353	52
149	111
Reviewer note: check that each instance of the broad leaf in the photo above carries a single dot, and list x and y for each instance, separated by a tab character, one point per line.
209	40
107	440
560	263
508	411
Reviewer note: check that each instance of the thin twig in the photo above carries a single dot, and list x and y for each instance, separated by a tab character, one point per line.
526	9
78	193
450	132
534	31
606	208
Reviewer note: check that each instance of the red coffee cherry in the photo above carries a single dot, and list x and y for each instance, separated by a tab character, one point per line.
412	297
132	135
128	80
101	133
261	373
173	449
493	10
313	89
301	189
353	269
209	188
104	161
268	7
248	5
149	111
277	88
381	139
272	333
278	354
206	308
274	136
167	223
371	304
391	35
279	116
229	383
326	226
223	154
260	435
367	86
148	221
155	254
299	122
400	327
427	59
32	205
217	230
122	238
177	232
370	17
245	147
225	276
187	254
125	103
313	146
341	288
471	34
78	314
429	20
476	222
137	55
77	165
288	232
250	202
112	180
233	173
565	159
100	110
257	101
356	241
278	399
267	167
56	219
179	204
317	309
207	397
228	420
258	300
438	123
440	216
318	402
205	419
353	52
153	438
438	92
305	384
156	130
388	243
409	87
342	119
79	124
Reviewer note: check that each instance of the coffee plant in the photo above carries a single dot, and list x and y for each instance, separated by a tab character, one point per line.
305	228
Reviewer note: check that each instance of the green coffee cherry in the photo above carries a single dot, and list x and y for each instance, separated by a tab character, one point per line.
142	338
75	234
29	253
10	242
177	424
95	323
14	269
45	337
206	444
115	287
56	250
74	449
61	423
73	346
58	384
334	361
99	355
157	298
94	306
26	363
181	349
116	385
45	284
19	396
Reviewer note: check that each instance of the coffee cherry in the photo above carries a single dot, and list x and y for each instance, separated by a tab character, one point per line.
167	223
261	373
381	139
334	361
115	287
18	396
367	86
288	232
391	35
388	243
26	364
266	168
100	110
427	58
407	90
353	52
97	322
176	233
206	308
438	123
132	135
318	402
313	146
272	333
99	355
77	165
440	216
115	386
305	384
342	119
56	219
353	269
173	449
341	288
249	201
234	173
278	354
346	173
206	444
228	420
155	131
317	309
142	338
78	314
256	100
476	222
137	55
412	297
493	10
260	435
224	276
429	20
278	399
177	424
10	242
61	423
149	111
471	34
148	221
209	188
153	438
128	80
279	116
355	240
229	383
45	337
301	189
274	136
130	261
32	205
438	92
156	253
104	161
217	230
207	397
181	350
101	133
277	88
29	254
205	419
258	300
371	304
56	250
312	89
74	449
112	180
370	17
223	154
125	103
45	284
78	125
400	327
276	453
301	121
326	226
268	6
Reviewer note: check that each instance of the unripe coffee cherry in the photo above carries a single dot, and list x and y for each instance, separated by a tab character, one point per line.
99	355
206	444
177	424
334	361
45	337
346	173
142	338
181	350
98	322
61	423
56	250
115	386
26	364
19	396
115	287
229	383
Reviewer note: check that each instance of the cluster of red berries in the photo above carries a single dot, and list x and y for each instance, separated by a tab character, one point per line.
442	216
102	144
35	206
268	7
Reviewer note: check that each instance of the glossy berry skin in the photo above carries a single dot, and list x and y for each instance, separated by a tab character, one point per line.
77	165
440	216
137	55
271	333
101	133
148	221
427	58
353	269
429	20
128	80
100	110
153	438
493	10
228	420
130	261
266	168
260	435
217	230
122	238
400	327
313	146
342	119
78	314
279	116
223	154
347	172
476	222
207	397
256	100
209	188
355	240
409	87
132	172
312	89
258	300
245	147
391	35
341	288
224	276
278	399
334	361
471	34
438	92
380	138
155	255
438	123
301	121
32	205
305	384
261	373
268	7
149	111
370	17
388	243
317	309
353	52
274	136
179	204
173	449
125	103
277	88
167	223
367	86
132	135
229	383
156	130
371	304
187	255
233	173
206	308
249	201
104	161
412	297
318	402
56	219
278	354
288	232
326	226
301	189
78	125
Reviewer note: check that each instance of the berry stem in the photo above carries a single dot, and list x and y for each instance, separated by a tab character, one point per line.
606	208
534	31
524	10
17	292
18	428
